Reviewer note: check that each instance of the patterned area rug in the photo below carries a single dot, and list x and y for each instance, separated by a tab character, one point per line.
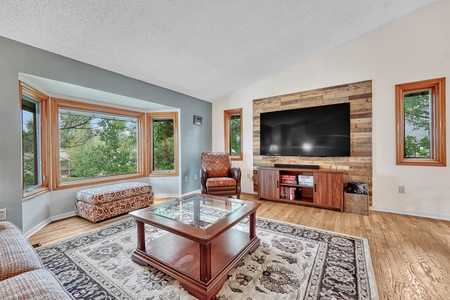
292	262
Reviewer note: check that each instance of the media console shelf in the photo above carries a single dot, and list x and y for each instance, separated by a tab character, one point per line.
319	188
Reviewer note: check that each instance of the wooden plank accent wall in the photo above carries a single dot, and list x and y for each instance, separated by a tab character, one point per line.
357	167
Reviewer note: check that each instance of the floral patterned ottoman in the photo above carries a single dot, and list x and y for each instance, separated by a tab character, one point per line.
101	203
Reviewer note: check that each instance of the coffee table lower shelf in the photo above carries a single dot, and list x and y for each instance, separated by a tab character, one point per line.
180	258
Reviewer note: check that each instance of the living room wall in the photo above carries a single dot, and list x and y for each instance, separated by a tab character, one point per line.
409	49
18	58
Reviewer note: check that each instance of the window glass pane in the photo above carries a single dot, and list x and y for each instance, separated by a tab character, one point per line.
163	145
96	145
235	135
417	106
30	143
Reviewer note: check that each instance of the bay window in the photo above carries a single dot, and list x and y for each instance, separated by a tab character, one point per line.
95	143
88	143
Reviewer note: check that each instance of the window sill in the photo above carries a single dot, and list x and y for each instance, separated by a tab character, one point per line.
424	162
163	174
237	158
35	193
93	181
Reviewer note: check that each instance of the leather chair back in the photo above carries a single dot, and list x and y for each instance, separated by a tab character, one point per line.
217	164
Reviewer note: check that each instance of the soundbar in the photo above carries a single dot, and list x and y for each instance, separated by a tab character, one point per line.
297	166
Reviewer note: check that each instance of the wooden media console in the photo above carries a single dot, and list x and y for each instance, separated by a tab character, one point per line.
319	188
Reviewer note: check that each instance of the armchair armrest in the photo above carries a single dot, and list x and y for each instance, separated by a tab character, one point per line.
235	172
203	177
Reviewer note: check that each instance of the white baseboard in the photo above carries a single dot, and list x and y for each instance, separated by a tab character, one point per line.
63	216
412	213
36	228
48	221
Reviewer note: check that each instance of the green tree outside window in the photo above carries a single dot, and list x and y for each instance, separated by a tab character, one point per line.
95	146
30	151
163	145
417	124
235	135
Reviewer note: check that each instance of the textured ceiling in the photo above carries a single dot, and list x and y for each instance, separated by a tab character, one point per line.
205	49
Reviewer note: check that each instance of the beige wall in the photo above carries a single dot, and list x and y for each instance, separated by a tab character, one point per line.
413	48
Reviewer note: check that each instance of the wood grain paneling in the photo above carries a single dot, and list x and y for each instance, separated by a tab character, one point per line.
358	167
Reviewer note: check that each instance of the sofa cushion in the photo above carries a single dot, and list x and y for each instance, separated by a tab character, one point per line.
114	192
37	285
16	254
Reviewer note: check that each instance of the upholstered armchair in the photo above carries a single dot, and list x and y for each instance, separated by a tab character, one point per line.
217	175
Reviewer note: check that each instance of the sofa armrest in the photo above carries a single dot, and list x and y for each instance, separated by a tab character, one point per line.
37	285
17	255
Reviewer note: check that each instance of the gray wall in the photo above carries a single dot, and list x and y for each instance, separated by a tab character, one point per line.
18	58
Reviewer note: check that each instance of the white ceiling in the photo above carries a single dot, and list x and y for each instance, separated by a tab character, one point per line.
205	49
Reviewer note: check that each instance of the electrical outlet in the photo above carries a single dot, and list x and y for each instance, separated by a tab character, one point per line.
248	175
3	214
185	179
401	189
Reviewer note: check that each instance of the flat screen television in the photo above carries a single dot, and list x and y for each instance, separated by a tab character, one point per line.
313	131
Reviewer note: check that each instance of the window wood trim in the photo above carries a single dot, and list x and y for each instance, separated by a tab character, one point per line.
25	89
64	103
438	139
159	115
227	118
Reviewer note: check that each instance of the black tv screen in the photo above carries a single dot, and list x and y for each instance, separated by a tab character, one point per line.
312	131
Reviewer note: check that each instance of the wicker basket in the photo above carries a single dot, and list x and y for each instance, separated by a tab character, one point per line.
356	203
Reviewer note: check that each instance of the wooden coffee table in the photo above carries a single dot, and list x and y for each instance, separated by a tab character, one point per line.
200	248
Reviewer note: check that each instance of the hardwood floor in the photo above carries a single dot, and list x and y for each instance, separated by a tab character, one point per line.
410	255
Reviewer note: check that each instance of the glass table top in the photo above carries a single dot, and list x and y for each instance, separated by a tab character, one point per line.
197	211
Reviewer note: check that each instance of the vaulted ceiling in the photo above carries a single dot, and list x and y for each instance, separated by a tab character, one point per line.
205	49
